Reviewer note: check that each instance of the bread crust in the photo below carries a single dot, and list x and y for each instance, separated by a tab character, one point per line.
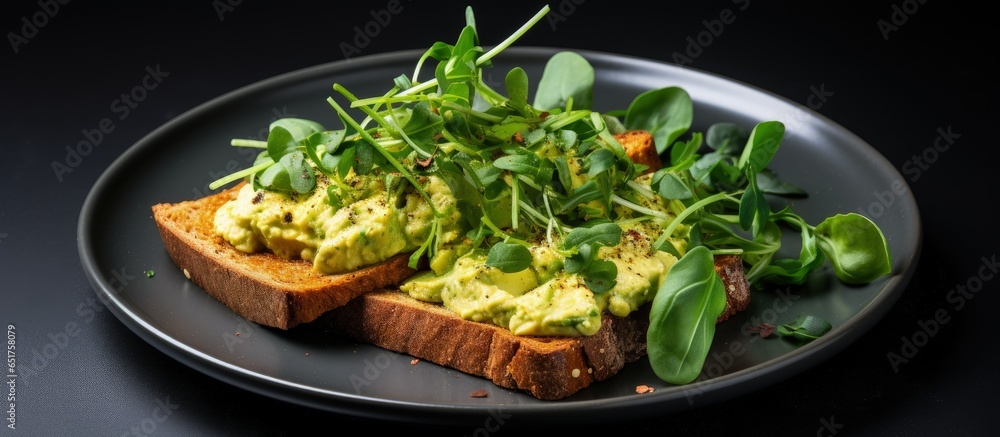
366	305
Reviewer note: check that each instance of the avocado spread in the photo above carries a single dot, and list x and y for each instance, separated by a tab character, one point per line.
374	226
543	299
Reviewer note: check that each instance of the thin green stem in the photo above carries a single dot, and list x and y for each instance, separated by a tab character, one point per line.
257	144
240	174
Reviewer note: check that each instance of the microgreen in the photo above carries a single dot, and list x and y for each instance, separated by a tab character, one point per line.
542	166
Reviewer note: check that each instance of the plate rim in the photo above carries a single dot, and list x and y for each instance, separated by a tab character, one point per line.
716	389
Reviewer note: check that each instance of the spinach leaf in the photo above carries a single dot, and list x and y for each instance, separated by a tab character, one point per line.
567	76
666	112
683	315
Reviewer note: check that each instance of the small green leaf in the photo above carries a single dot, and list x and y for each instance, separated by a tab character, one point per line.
299	128
682	151
600	275
580	260
584	193
276	178
856	247
754	210
509	257
423	123
330	141
599	161
527	163
346	162
517	90
805	328
666	112
607	234
301	176
564	173
669	185
762	145
280	142
567	75
768	182
726	137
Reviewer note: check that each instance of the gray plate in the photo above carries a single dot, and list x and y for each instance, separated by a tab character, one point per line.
118	240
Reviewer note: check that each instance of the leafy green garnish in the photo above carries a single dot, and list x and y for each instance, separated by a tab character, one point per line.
509	257
683	316
547	169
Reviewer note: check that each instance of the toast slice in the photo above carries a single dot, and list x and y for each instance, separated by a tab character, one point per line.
261	287
366	305
549	368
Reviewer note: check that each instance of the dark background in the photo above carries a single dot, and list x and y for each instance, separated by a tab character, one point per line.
895	87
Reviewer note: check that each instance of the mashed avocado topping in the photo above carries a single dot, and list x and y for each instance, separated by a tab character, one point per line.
544	299
372	228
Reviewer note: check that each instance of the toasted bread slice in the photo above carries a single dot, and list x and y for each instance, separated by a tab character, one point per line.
261	287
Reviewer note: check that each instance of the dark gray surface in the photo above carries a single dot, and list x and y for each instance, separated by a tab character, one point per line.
896	94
